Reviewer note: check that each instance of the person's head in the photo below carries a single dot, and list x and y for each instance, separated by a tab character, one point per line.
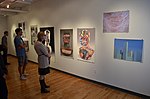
6	33
19	31
41	36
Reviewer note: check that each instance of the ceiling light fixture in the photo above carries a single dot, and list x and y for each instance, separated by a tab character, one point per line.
7	6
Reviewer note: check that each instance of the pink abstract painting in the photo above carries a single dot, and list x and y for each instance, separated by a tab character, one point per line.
116	22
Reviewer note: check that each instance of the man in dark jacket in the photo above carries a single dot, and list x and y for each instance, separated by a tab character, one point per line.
5	47
3	72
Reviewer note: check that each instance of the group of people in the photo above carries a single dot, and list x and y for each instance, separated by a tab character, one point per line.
44	55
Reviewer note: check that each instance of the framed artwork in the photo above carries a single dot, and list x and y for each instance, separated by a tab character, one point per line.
66	42
86	44
34	32
128	49
22	25
116	22
26	42
50	41
14	35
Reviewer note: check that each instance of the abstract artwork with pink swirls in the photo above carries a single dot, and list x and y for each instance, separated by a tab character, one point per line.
116	22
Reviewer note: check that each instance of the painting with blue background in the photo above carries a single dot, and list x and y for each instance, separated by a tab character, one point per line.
128	49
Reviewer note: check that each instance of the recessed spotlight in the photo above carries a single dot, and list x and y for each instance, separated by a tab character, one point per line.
7	6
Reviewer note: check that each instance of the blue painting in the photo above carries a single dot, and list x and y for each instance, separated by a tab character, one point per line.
128	49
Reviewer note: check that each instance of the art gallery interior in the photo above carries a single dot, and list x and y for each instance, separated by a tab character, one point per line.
79	14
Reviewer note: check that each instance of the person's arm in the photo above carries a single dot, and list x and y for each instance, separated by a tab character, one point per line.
44	50
20	43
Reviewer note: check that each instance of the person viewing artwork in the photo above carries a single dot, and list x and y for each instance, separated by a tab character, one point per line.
20	53
43	61
5	47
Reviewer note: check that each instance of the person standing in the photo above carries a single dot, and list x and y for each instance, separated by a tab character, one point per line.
21	53
43	61
5	47
3	73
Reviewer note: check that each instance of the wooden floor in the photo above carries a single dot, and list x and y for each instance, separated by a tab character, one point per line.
62	86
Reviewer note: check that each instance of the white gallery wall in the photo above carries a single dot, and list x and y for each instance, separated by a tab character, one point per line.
73	14
3	26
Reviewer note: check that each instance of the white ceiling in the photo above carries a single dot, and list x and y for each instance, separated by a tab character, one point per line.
15	6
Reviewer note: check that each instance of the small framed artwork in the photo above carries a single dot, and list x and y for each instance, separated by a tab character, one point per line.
66	42
116	22
34	32
26	42
128	49
22	25
86	44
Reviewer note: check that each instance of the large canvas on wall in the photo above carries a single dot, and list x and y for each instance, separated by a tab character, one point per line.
116	22
66	42
128	49
86	44
34	32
